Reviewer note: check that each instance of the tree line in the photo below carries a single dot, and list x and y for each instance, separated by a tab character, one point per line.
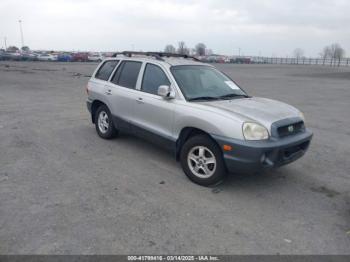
200	49
333	52
13	48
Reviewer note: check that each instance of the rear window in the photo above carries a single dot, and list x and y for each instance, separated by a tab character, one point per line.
106	70
127	74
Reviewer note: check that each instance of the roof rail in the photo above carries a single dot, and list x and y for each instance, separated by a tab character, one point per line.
130	53
156	55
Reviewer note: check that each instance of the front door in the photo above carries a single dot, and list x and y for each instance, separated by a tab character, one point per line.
154	115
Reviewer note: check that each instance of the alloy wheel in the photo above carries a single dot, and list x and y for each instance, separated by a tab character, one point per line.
201	161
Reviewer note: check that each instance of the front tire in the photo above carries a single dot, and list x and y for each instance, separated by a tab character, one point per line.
104	124
201	160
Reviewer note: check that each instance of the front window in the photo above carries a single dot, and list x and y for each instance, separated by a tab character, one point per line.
205	83
153	77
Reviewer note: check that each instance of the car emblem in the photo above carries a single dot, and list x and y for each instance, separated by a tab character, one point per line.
290	129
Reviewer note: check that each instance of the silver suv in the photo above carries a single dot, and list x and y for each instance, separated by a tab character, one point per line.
208	122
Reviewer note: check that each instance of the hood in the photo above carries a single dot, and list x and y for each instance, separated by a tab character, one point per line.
261	110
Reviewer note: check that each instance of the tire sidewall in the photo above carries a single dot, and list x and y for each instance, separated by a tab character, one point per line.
203	140
111	132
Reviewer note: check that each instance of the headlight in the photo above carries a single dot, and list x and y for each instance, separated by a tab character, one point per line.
254	131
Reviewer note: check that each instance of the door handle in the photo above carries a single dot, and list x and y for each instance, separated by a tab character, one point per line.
108	92
139	100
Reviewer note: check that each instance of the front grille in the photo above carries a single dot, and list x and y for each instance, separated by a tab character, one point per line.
290	129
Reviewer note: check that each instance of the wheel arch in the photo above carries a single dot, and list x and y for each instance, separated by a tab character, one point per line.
94	106
185	134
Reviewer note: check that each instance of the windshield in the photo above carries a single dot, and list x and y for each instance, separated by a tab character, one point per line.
204	83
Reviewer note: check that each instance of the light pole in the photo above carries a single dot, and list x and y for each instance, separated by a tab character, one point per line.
21	31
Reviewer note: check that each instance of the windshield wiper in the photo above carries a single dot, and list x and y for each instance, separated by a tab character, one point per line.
203	98
232	95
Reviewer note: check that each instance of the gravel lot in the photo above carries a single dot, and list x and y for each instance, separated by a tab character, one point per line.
63	190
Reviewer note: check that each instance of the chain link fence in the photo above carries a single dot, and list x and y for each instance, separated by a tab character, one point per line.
301	61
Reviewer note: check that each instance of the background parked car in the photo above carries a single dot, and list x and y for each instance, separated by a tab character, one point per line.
95	57
64	57
28	56
80	57
108	54
12	56
47	57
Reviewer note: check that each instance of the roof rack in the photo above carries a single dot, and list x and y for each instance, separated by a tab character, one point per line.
156	55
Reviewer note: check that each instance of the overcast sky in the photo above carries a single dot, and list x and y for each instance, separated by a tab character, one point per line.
271	27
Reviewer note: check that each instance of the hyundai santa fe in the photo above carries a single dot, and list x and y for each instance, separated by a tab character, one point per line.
210	124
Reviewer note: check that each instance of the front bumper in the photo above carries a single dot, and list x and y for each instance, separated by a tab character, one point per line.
252	156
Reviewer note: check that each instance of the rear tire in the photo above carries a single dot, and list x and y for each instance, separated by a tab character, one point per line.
104	123
201	160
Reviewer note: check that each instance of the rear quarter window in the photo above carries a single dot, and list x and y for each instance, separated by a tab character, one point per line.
127	74
106	70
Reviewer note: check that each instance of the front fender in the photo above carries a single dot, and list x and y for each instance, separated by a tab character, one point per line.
207	121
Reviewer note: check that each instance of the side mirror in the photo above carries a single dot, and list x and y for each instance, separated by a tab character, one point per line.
166	92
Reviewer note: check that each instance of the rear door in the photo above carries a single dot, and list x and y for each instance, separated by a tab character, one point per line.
154	114
122	92
98	85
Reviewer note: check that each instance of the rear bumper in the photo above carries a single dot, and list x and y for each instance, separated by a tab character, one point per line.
88	105
89	108
252	156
